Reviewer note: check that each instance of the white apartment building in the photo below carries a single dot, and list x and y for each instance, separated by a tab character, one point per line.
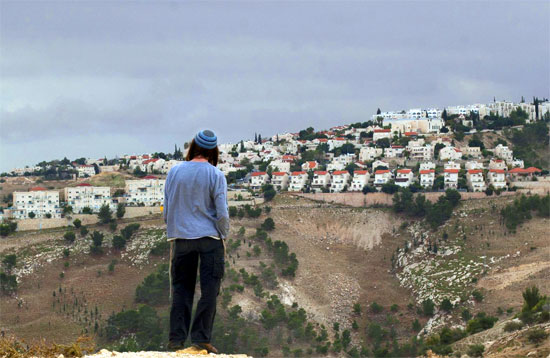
497	164
394	151
85	170
450	153
360	179
471	151
427	165
381	133
517	163
473	164
452	165
335	165
84	195
366	154
416	113
37	200
434	113
339	181
257	179
450	177
503	152
279	180
148	191
382	177
403	177
379	163
427	177
497	178
298	181
475	179
422	152
321	179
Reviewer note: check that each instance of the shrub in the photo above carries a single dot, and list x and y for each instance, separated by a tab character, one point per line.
531	297
416	325
446	305
83	231
119	242
69	236
77	223
428	307
154	289
112	225
105	214
478	296
512	326
232	211
268	224
476	350
160	248
120	211
480	323
357	308
394	308
537	335
376	308
466	314
129	231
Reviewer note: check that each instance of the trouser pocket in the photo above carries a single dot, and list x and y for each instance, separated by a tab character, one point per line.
219	267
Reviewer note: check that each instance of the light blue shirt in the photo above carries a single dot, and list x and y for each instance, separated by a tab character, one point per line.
195	201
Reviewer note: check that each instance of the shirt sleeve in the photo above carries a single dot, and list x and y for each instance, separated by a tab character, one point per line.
220	201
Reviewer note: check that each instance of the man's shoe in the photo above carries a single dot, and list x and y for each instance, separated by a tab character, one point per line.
175	345
210	348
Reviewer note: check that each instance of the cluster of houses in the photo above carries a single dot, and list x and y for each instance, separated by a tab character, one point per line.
478	178
40	202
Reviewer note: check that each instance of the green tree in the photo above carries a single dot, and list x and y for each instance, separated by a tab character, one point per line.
9	261
69	236
120	211
77	223
32	215
119	242
105	214
428	307
268	224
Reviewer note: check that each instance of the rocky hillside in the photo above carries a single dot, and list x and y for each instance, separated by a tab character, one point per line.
325	279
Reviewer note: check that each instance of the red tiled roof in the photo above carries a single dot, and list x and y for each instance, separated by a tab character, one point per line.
382	171
382	130
403	171
529	170
85	166
323	140
311	165
410	133
145	156
150	177
427	171
257	174
534	170
320	172
339	138
457	150
397	146
496	160
340	172
475	171
37	188
451	171
360	172
278	174
84	184
297	173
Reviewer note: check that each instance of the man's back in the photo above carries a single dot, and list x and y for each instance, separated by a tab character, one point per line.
195	202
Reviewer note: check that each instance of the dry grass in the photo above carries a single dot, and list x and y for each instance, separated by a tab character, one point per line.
10	347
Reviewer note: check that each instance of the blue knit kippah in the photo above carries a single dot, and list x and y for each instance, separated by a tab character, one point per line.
206	139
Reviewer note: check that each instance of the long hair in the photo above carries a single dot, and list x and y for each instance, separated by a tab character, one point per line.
211	155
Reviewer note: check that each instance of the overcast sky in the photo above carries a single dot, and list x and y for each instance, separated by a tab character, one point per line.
94	79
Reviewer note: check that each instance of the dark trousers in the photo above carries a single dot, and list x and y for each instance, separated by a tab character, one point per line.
185	255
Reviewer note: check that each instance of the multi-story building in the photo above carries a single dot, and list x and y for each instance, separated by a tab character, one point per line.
360	179
450	153
403	177
298	181
148	191
394	151
450	177
521	174
382	177
472	151
84	195
85	170
366	154
421	152
503	152
473	164
497	178
257	179
427	177
427	165
475	180
339	181
381	133
451	165
321	180
279	180
497	164
39	201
